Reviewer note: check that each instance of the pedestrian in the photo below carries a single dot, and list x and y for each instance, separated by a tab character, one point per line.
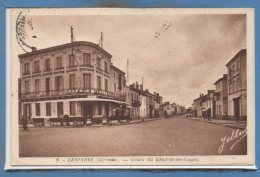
66	120
84	120
24	122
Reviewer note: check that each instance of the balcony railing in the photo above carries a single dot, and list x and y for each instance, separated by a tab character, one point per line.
136	103
77	92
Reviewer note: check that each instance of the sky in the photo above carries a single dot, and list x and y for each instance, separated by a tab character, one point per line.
179	56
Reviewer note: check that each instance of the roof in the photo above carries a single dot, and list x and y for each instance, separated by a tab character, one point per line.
112	66
59	47
220	79
242	51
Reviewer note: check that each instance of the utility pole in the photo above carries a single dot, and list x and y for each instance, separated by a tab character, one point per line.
72	37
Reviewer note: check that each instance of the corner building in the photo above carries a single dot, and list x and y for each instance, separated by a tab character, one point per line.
75	79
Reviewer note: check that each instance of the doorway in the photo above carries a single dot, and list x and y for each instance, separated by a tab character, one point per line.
27	111
236	108
86	109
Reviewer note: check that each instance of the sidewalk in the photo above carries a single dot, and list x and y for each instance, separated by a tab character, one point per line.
99	125
228	123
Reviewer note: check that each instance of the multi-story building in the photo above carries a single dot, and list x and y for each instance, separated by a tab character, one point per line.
135	100
143	107
158	102
150	104
209	104
237	86
221	97
204	105
75	79
196	107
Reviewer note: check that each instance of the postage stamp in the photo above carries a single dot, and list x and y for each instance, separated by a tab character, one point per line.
131	88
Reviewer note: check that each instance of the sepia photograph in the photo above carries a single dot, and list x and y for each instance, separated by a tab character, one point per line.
132	87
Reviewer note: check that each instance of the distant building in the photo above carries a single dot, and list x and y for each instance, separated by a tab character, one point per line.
158	102
221	97
237	86
135	100
143	107
204	105
181	110
196	107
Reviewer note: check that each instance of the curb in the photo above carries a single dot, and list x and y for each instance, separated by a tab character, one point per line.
230	126
108	125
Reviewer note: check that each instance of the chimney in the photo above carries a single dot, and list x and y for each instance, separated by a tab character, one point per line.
34	49
141	86
137	85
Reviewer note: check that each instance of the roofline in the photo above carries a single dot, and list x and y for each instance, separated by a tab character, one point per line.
238	53
117	69
58	47
222	78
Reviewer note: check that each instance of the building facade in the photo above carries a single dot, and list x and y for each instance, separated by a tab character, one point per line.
221	97
237	86
75	79
204	105
135	100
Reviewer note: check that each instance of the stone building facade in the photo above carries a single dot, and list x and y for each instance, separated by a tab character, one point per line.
75	79
237	86
221	97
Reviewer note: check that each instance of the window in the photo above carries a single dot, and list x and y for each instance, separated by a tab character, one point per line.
72	81
71	60
37	85
229	72
106	67
106	85
238	84
98	82
26	68
58	83
37	109
60	109
36	67
58	62
98	63
235	85
119	82
87	81
47	84
86	59
48	109
26	87
230	87
99	109
47	65
115	87
238	65
72	108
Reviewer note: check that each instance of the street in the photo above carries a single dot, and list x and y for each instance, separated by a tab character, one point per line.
164	137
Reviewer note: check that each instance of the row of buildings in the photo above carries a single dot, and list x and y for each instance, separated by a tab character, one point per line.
229	99
172	109
78	79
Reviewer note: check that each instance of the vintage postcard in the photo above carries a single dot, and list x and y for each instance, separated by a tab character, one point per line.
130	88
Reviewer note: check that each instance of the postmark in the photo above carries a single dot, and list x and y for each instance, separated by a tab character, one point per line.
23	23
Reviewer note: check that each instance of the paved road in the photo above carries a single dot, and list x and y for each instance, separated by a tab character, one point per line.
175	136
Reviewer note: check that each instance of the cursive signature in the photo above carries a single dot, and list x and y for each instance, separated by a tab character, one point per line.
236	136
